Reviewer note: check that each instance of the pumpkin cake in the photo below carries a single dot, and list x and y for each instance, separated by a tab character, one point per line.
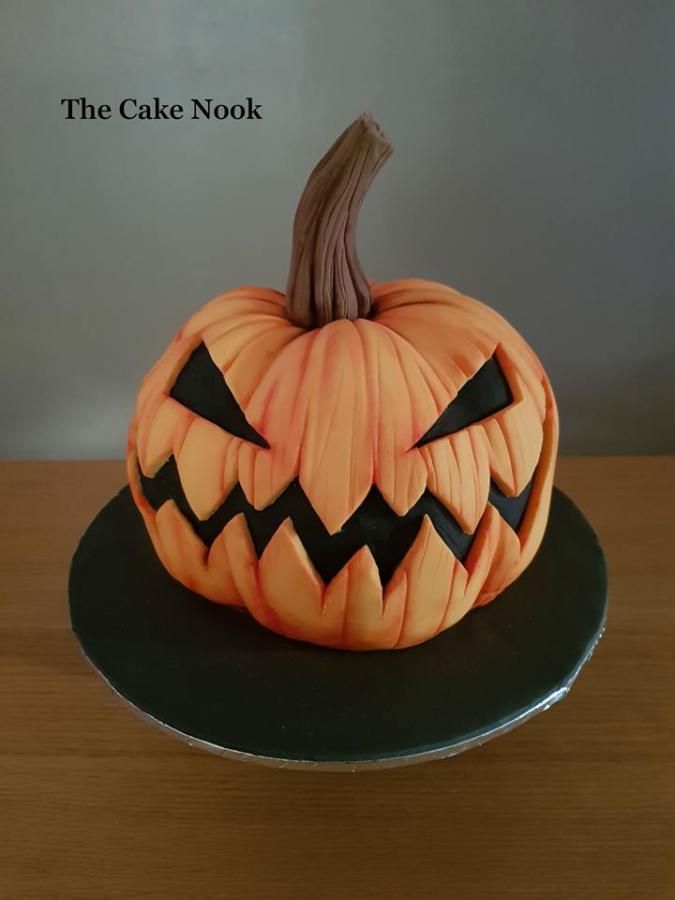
358	465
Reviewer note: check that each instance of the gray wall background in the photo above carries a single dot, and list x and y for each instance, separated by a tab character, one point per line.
534	168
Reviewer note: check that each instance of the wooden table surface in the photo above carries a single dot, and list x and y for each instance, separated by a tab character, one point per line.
579	802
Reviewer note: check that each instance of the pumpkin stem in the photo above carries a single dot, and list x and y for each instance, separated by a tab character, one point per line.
325	281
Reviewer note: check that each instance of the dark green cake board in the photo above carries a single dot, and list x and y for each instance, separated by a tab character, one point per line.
213	676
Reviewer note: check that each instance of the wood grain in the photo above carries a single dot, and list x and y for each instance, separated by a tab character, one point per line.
94	803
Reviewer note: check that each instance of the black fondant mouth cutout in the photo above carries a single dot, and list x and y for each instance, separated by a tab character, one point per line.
388	535
201	388
483	395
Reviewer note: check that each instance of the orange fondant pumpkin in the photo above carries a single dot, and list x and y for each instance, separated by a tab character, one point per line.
358	465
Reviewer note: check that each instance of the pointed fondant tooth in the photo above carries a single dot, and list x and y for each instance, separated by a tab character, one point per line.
158	431
207	572
505	559
242	562
501	467
144	507
525	375
332	503
183	554
428	566
230	475
397	381
533	526
264	474
357	589
515	436
459	475
216	580
201	466
144	422
480	557
246	456
290	586
401	480
458	605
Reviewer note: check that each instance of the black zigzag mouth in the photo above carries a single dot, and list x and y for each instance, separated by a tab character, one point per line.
374	524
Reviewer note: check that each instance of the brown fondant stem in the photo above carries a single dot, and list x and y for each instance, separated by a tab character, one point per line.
325	281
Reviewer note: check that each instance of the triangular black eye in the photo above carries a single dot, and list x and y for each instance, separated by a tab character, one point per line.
201	388
482	396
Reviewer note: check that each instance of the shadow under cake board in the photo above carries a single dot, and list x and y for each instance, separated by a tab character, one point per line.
211	675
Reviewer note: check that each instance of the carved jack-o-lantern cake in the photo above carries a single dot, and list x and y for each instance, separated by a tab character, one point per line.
357	465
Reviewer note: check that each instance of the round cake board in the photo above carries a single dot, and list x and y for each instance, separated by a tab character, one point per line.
211	675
